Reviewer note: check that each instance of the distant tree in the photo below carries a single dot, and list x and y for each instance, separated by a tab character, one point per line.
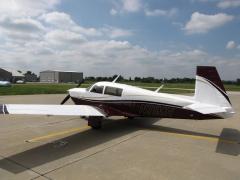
138	79
29	72
238	81
90	78
148	79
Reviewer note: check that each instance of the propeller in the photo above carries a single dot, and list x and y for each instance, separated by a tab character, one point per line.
68	96
65	99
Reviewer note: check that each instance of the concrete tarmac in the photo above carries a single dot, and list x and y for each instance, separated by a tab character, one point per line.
54	147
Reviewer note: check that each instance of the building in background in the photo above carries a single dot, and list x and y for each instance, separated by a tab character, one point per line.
51	76
10	75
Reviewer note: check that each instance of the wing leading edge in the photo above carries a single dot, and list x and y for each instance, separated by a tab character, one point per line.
61	110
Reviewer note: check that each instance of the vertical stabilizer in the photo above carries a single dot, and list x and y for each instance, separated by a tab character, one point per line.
209	88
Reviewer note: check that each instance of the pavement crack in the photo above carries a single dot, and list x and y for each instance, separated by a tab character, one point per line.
92	154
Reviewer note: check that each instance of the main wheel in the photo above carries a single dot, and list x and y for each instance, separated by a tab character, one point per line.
95	122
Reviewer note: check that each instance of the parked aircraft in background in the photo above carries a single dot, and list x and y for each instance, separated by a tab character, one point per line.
5	83
104	99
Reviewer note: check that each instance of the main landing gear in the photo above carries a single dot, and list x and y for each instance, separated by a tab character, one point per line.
95	122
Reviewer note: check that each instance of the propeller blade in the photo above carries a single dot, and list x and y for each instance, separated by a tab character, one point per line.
68	96
65	99
79	84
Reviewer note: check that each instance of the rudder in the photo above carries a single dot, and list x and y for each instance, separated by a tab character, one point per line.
209	87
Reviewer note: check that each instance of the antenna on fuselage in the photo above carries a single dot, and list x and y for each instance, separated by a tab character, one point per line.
158	89
116	79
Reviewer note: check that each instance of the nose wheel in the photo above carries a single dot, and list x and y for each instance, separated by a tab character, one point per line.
95	122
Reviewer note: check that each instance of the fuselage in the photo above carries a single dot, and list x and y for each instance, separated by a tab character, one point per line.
116	99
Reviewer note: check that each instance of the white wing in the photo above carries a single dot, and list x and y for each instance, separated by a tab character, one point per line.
65	110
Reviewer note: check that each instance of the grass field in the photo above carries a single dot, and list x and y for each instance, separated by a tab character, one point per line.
38	88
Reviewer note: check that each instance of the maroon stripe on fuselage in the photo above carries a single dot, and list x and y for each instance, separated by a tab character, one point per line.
143	109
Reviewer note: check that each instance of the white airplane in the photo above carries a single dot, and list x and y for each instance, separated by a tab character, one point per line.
104	99
5	83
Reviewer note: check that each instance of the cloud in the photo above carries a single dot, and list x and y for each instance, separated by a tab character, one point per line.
59	37
126	6
160	12
58	19
224	4
52	39
231	45
114	32
131	5
26	7
64	21
202	23
113	11
20	29
24	25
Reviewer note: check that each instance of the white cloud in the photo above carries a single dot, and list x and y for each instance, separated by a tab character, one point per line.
24	25
126	6
131	5
113	11
231	45
58	19
26	7
53	40
202	23
114	32
224	4
161	12
20	29
64	21
60	37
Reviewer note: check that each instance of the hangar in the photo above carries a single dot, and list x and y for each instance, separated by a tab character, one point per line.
10	75
54	76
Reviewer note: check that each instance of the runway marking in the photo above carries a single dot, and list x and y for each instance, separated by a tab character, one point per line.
57	134
213	139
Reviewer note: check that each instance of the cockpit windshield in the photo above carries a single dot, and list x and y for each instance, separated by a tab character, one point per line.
97	89
88	89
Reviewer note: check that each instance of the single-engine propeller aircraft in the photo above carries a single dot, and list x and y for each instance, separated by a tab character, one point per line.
104	99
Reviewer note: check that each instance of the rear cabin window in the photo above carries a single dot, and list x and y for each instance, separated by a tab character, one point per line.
113	91
97	89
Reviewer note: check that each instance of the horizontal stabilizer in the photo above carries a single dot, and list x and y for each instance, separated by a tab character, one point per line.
205	108
63	110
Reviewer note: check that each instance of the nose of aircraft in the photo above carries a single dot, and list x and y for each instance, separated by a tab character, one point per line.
76	92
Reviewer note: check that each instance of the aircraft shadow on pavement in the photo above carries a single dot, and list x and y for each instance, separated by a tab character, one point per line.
228	141
229	148
113	129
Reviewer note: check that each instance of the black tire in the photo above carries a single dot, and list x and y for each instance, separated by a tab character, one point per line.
95	122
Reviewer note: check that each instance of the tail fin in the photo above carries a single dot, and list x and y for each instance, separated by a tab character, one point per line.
209	88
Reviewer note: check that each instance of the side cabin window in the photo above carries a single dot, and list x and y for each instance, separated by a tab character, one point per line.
113	91
97	89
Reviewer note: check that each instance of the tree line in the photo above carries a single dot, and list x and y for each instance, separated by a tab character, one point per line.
151	79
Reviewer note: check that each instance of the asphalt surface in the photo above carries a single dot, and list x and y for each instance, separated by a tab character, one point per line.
53	147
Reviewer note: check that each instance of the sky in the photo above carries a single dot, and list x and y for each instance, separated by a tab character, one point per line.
128	37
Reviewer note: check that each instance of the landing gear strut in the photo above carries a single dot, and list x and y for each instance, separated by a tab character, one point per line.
95	122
